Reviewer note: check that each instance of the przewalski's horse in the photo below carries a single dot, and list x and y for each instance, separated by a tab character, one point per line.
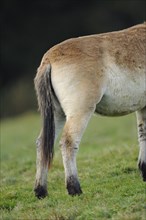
104	73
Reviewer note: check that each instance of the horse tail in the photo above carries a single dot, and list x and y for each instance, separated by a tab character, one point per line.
44	90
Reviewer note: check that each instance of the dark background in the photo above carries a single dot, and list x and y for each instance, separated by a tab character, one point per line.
29	28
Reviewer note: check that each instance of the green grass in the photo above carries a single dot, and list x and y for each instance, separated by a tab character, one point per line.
107	166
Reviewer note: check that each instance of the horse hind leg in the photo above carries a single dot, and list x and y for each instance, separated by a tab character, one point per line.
71	137
41	168
40	188
141	124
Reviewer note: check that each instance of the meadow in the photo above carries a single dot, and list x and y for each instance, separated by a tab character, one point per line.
107	165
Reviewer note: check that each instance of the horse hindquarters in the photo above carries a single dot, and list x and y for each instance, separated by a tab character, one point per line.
78	95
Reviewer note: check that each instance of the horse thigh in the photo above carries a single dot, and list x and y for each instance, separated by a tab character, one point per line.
59	119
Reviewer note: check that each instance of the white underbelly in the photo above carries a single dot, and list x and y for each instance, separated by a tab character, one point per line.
125	93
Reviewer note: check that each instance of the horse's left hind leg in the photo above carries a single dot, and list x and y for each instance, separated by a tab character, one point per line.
42	169
41	172
141	124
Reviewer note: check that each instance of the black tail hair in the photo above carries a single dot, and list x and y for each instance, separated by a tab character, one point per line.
44	91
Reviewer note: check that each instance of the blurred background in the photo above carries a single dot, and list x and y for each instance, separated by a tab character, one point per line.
30	28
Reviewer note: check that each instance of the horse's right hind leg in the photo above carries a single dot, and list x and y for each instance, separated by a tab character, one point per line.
141	124
72	133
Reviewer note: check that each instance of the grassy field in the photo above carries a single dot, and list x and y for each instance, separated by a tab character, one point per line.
107	165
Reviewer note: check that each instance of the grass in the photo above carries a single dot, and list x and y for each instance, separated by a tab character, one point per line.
107	165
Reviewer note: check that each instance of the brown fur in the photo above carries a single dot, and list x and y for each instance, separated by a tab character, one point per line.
101	73
123	46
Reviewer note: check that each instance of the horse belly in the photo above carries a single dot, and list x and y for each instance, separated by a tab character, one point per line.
124	94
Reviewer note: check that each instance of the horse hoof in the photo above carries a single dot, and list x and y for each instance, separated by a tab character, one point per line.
40	192
73	186
142	167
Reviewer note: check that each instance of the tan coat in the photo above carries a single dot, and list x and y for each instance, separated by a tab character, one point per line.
103	73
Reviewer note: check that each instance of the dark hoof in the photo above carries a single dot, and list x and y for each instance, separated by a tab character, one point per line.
40	192
142	167
73	186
